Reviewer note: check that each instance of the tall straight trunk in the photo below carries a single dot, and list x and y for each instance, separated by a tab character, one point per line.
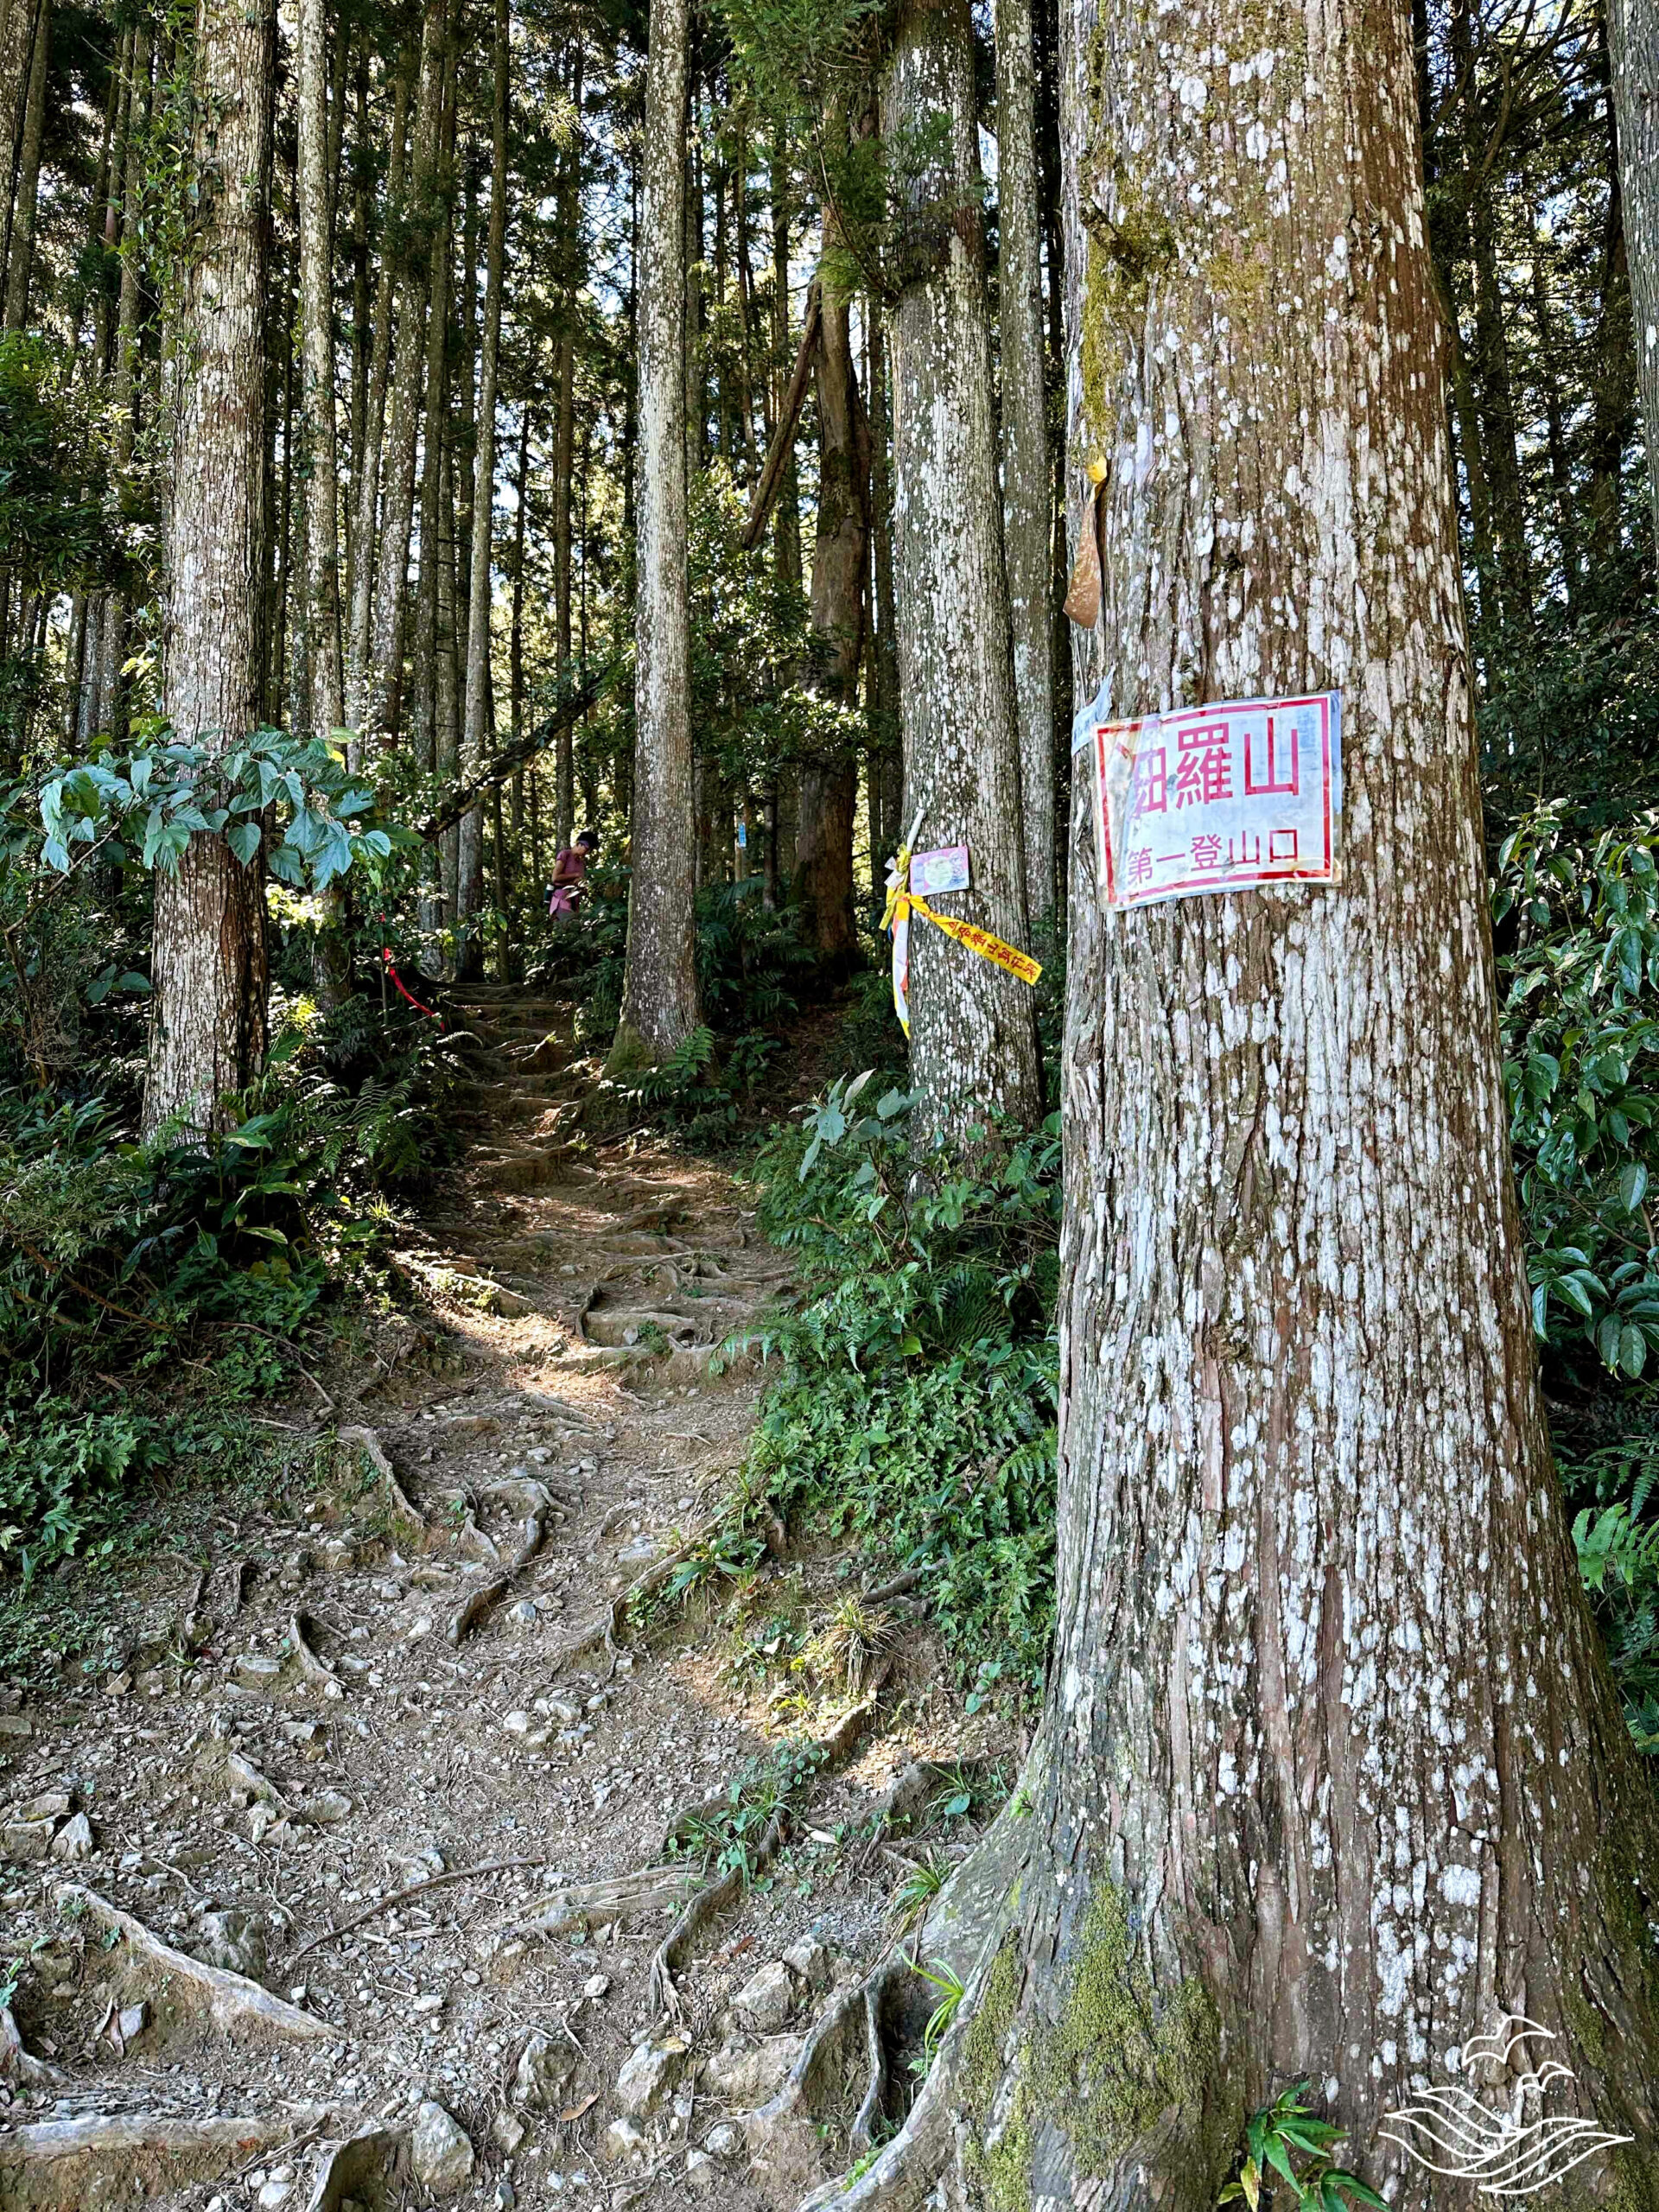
829	784
1330	1771
1549	379
695	382
1613	377
888	765
211	970
973	1032
19	257
1494	393
563	464
1027	468
478	736
515	630
1633	39
383	683
362	340
746	305
111	712
437	433
320	586
659	990
787	523
365	457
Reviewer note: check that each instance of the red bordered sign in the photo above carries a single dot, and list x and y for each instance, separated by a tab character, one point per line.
1224	798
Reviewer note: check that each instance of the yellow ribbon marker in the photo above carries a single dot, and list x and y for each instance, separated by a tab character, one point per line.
903	902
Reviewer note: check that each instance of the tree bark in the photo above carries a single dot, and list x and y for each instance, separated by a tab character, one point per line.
20	256
320	602
1633	34
564	803
659	990
1331	1772
383	690
210	966
829	784
478	735
1613	377
1027	472
365	457
972	1032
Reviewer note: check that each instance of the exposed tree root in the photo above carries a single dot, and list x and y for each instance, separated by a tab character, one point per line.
651	1889
473	1608
235	2006
608	1626
711	1901
365	1442
866	2027
367	2162
18	2066
64	2165
316	1670
706	1906
415	1890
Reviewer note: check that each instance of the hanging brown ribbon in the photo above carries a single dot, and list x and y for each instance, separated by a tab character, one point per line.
1083	593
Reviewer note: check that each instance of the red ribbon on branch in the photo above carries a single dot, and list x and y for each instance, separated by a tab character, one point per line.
402	988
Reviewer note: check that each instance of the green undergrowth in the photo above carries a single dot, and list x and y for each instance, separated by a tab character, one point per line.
916	1404
151	1292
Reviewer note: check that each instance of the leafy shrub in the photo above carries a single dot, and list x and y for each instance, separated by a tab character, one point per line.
922	1375
118	1257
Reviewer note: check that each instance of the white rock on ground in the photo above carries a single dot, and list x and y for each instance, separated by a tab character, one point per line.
810	1961
724	2141
625	2143
73	1840
702	2174
544	2066
766	2000
647	2079
747	2077
439	2151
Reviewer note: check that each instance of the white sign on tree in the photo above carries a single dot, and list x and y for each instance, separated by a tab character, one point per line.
1222	797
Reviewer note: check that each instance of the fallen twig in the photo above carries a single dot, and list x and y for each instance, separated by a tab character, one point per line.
416	1889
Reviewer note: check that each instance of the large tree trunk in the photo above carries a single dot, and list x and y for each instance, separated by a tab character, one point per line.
1633	31
972	1032
320	602
1027	474
211	972
1331	1772
659	991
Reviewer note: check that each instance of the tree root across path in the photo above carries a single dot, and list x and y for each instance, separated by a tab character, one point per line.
857	2045
66	2165
235	2006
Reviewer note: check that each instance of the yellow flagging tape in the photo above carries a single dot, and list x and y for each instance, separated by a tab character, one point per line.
902	902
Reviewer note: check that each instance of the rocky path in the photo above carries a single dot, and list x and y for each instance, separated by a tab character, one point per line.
417	1844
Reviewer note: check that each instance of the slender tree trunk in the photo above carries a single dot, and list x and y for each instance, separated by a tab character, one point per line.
886	767
320	591
424	736
1613	377
973	1032
210	966
20	259
563	467
383	690
515	640
829	786
478	734
659	991
1633	34
366	454
1330	1772
111	710
1028	470
1548	378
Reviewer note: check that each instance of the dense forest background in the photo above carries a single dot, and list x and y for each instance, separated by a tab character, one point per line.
442	584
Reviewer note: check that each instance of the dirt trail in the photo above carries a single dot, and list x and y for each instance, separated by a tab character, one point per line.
427	1671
